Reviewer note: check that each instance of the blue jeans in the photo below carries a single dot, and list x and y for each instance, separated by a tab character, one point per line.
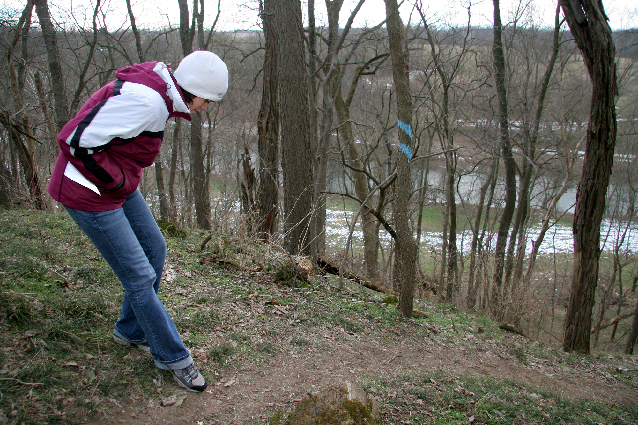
131	243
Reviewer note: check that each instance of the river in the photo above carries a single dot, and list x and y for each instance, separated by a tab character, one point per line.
558	238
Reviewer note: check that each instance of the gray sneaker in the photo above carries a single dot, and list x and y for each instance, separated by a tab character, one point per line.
190	378
141	345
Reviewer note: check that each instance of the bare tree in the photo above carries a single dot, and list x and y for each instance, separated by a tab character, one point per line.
198	171
27	15
55	67
88	59
295	127
357	163
534	98
268	129
136	33
447	95
20	126
588	24
405	260
508	160
172	173
313	93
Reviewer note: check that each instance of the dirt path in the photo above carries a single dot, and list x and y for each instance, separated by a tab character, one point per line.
250	394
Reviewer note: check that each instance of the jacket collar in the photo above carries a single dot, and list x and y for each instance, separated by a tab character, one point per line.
159	77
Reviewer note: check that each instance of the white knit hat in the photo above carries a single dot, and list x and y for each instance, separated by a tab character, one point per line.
203	74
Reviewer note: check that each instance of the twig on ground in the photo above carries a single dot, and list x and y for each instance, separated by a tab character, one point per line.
20	382
66	282
393	359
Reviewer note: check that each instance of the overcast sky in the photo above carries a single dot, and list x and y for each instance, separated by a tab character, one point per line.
242	14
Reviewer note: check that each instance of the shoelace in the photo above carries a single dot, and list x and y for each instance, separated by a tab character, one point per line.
190	371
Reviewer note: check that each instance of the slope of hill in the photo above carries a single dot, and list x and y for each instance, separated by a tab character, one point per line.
266	339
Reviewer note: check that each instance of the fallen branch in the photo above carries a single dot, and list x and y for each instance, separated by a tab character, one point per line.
331	268
513	328
205	241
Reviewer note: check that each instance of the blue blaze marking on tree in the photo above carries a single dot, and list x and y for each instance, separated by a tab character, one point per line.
407	129
406	149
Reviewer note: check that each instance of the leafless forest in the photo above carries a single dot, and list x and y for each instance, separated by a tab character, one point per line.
491	147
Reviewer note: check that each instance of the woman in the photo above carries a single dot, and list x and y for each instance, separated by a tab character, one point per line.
104	148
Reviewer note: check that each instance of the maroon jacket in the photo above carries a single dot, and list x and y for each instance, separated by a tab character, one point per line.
115	135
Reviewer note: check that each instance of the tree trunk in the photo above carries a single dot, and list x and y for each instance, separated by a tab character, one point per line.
161	191
200	183
53	54
198	171
368	221
508	160
186	212
27	15
173	171
602	309
87	61
450	191
531	136
405	259
184	28
588	25
483	251
633	333
423	185
246	183
472	286
331	84
26	153
52	133
545	223
445	223
26	162
318	197
295	127
618	266
268	131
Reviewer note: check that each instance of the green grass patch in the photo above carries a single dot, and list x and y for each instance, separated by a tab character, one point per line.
220	353
440	398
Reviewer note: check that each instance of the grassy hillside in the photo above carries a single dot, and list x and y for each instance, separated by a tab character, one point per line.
247	319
